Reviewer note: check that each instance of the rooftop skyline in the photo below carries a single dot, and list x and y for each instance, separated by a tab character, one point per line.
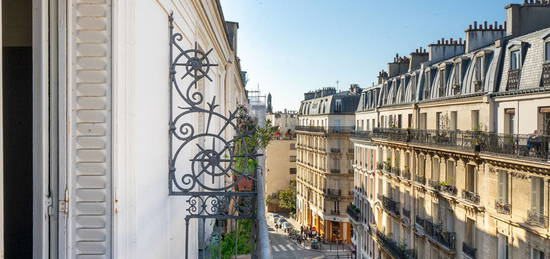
347	41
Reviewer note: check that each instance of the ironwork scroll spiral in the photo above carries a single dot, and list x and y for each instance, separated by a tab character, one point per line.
215	158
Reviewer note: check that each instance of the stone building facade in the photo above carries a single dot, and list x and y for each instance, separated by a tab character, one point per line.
325	153
281	154
452	155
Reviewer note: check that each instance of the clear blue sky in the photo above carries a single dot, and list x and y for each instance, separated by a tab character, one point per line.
290	47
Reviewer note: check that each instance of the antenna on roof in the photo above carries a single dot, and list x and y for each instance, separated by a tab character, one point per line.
337	82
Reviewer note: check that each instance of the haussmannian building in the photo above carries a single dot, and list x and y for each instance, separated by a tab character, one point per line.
325	154
451	154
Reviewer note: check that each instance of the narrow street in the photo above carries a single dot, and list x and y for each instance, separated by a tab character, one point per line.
284	248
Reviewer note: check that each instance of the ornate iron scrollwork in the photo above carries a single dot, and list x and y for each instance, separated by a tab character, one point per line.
214	165
205	158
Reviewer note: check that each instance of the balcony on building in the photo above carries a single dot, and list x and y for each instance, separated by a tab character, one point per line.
327	129
333	192
503	207
390	205
393	247
354	213
537	218
437	233
521	146
469	250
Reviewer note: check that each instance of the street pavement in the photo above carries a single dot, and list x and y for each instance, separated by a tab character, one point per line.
284	248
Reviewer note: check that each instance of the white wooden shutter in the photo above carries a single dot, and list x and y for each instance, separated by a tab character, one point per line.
89	181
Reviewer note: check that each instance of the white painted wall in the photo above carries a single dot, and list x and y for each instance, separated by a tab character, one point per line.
148	222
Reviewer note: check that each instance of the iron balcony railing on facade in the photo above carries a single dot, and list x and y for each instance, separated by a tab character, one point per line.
469	250
380	165
354	212
335	171
434	184
333	192
513	79
340	129
310	128
420	179
335	150
419	221
395	171
334	212
406	174
437	233
531	147
470	196
545	75
407	213
502	207
390	205
397	251
363	135
537	218
448	188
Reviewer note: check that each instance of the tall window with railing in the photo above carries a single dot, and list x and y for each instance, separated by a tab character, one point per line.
450	177
515	70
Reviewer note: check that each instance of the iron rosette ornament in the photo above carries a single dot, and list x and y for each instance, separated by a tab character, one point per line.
209	151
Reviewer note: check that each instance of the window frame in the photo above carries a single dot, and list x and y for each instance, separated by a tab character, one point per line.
546	46
512	55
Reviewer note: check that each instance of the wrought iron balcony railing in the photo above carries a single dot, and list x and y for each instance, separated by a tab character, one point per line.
447	188
469	250
439	234
434	184
380	165
545	75
335	150
334	212
420	179
364	135
395	171
407	213
419	221
354	212
333	192
502	207
406	174
531	147
537	218
397	251
513	79
335	171
470	196
390	205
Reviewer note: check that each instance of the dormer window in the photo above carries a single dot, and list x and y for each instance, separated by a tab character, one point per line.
514	73
413	87
547	51
478	74
546	66
338	105
457	77
442	82
515	60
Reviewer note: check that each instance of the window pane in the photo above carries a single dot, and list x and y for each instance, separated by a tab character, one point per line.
515	60
547	51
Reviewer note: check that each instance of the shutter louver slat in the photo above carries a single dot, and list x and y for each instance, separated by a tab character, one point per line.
89	180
